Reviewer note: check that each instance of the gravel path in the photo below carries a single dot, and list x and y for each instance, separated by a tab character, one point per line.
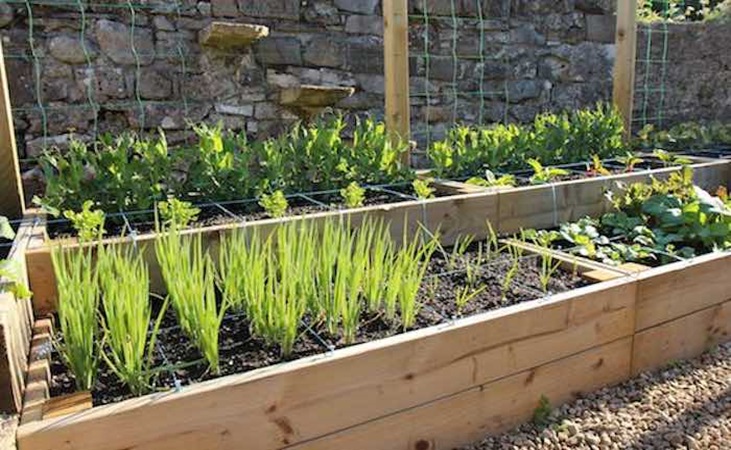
685	406
8	425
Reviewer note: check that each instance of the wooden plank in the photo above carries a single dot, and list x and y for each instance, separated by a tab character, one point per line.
67	404
36	388
396	70
624	61
12	201
309	398
488	409
682	338
678	289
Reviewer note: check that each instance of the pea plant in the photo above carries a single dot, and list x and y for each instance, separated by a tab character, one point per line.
275	204
353	195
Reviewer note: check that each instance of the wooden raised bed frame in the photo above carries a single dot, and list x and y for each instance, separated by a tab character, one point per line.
433	388
507	210
16	320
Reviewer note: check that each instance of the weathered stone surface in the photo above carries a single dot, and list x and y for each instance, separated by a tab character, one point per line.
235	110
116	41
6	14
358	24
324	51
231	35
71	50
357	6
309	95
322	12
162	23
154	85
279	51
365	54
224	8
282	9
600	28
597	6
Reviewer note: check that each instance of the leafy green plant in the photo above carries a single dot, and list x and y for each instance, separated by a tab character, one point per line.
670	159
491	180
177	213
543	174
551	139
423	189
596	168
275	204
124	282
88	224
190	280
630	160
409	269
353	194
78	302
6	231
542	413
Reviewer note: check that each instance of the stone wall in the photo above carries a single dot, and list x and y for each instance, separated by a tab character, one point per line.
695	80
524	56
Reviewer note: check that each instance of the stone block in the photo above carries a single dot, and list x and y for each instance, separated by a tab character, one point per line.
71	49
279	51
601	28
276	9
324	51
231	35
358	6
357	24
114	41
224	8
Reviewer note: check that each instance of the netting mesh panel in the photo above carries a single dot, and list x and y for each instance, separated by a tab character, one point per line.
459	65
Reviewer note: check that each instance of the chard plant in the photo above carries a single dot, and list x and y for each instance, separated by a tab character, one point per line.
89	225
543	174
124	282
78	305
423	189
630	161
174	212
353	195
596	168
189	276
670	159
275	204
548	267
492	180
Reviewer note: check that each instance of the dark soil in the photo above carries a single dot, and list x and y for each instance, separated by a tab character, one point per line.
241	352
232	212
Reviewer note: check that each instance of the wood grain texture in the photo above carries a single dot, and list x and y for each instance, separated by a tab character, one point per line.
12	201
678	289
624	61
309	398
491	408
396	70
682	338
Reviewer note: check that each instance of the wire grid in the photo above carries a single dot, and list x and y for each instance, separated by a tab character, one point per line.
651	102
453	92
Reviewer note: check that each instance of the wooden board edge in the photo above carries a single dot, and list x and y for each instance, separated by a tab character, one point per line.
683	338
614	289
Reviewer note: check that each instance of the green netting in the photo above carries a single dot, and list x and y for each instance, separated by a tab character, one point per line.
465	95
653	91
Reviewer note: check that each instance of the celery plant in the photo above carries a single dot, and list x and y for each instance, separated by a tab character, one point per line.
125	283
78	302
190	280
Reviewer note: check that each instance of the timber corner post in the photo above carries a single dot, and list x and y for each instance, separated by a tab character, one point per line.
624	63
396	71
12	202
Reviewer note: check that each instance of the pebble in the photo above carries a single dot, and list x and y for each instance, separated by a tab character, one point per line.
686	406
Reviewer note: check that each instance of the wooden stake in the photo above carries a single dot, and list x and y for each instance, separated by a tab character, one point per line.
624	64
396	70
12	203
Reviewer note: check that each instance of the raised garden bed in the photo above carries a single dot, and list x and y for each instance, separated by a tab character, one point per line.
465	212
424	389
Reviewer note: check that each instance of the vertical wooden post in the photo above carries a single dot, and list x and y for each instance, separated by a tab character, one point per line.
12	203
396	69
624	64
